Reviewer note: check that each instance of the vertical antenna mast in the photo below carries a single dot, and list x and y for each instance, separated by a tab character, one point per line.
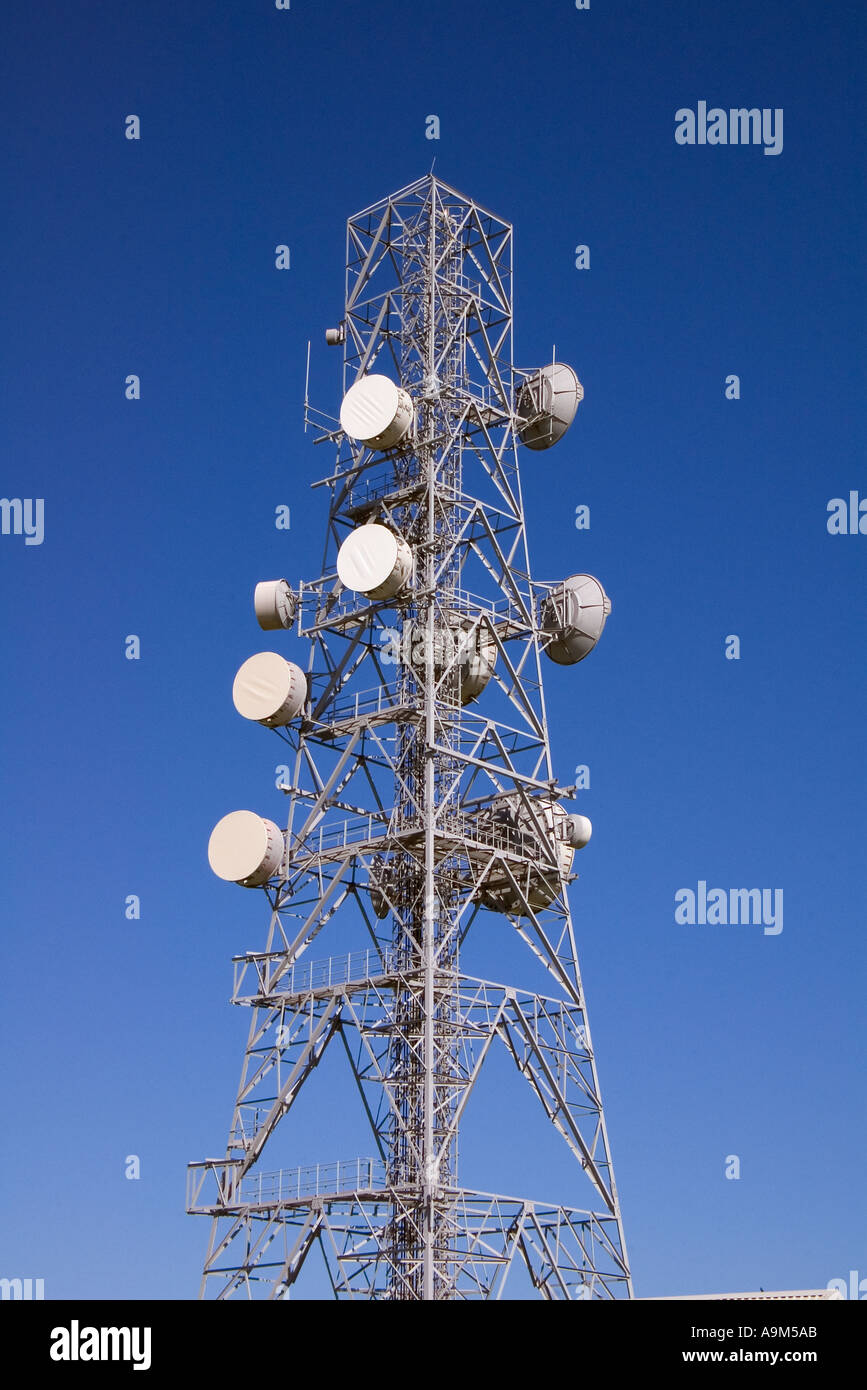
422	807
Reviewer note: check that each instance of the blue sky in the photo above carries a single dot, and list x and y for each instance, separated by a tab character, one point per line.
708	518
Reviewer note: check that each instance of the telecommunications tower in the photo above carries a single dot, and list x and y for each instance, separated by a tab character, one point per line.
422	807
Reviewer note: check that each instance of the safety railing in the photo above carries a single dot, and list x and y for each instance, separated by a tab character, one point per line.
383	699
480	829
303	976
216	1184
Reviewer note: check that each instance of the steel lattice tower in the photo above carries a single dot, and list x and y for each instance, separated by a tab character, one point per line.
422	812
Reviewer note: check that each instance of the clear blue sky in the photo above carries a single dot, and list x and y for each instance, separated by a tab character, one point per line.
708	518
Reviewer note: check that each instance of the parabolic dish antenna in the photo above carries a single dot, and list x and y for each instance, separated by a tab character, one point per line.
376	412
548	400
245	848
579	831
374	561
575	612
274	603
269	689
